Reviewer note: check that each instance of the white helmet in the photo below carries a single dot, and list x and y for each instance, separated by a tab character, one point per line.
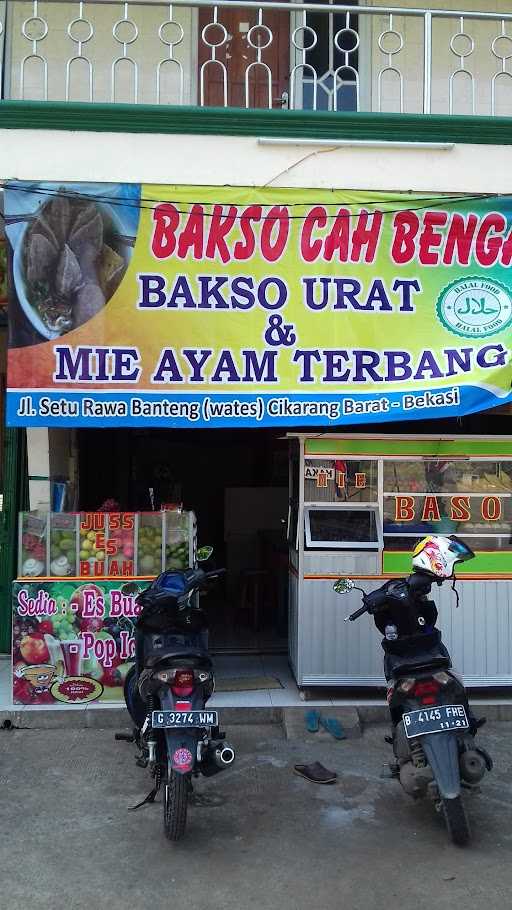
438	555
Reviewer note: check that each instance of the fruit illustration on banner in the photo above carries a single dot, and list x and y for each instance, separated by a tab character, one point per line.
22	692
91	624
21	628
33	649
79	645
89	592
65	626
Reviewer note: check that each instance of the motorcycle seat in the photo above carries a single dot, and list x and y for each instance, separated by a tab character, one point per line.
193	659
420	664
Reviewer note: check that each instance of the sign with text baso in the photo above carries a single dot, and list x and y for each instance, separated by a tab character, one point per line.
225	306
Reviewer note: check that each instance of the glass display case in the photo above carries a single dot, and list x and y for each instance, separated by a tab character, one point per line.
32	544
338	480
104	544
177	534
149	543
415	496
63	544
467	497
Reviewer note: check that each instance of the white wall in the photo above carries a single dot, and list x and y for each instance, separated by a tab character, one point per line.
219	160
38	455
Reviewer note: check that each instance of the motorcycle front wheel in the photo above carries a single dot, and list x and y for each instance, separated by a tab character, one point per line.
456	821
176	790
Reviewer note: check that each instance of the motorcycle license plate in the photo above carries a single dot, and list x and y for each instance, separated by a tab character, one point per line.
184	719
437	719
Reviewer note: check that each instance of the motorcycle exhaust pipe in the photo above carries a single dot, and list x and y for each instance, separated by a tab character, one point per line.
223	755
217	757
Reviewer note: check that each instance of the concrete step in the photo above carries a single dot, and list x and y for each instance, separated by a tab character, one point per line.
352	718
117	718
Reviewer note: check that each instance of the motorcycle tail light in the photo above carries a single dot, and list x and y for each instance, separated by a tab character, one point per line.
164	676
443	678
182	705
406	685
427	691
183	682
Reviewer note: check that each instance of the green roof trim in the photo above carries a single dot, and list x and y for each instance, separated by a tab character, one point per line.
394	446
153	118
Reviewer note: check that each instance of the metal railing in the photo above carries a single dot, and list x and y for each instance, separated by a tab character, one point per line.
329	56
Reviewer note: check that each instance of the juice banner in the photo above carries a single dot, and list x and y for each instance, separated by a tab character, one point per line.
72	641
226	306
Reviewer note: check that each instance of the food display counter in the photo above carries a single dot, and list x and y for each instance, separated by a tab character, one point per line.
358	505
74	599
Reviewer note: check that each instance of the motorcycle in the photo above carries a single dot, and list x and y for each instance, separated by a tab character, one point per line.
433	728
167	690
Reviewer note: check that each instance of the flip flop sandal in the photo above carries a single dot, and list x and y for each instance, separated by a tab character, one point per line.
333	727
316	773
312	719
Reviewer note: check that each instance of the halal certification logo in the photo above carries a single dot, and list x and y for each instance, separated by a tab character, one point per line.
475	307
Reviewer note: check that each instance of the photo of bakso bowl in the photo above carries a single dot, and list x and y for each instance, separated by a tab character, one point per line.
69	259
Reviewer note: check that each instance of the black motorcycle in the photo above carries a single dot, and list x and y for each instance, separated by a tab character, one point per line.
433	728
167	689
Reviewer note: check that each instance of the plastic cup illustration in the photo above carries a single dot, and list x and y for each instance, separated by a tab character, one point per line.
56	654
72	652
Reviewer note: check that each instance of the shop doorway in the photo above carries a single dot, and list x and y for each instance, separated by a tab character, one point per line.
236	482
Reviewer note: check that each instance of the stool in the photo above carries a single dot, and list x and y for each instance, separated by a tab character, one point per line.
255	584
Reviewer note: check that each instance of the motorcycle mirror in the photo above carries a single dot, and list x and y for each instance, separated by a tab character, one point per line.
204	553
343	585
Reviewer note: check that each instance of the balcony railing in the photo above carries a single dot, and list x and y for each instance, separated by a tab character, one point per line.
314	56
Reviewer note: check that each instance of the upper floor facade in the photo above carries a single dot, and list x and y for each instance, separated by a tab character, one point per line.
357	56
354	95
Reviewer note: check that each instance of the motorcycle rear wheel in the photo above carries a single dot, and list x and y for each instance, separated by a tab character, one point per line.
176	790
456	821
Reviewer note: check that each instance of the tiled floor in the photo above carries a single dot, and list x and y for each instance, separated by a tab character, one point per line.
259	665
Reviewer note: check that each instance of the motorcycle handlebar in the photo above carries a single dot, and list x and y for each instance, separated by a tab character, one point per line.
357	614
215	573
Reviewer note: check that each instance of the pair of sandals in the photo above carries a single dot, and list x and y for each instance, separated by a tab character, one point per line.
314	720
